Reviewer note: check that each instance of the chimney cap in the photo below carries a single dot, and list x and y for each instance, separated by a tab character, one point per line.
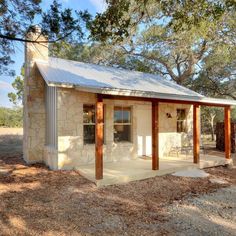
34	29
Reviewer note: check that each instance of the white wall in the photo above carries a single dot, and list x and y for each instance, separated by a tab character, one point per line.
144	130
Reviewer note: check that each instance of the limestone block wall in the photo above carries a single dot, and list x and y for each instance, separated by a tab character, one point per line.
50	157
72	152
34	107
34	117
168	136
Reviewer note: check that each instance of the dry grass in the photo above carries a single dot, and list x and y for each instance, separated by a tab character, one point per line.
37	201
11	140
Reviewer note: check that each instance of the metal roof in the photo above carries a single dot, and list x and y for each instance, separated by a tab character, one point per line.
109	80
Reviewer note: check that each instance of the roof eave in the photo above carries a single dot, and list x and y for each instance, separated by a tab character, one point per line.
134	93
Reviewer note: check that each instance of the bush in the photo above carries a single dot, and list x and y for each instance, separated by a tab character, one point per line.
11	117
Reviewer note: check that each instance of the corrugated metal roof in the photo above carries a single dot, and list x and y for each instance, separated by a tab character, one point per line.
109	80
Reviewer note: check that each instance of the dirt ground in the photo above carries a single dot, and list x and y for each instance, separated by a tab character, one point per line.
37	201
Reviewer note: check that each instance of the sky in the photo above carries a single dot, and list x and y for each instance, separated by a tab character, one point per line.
92	6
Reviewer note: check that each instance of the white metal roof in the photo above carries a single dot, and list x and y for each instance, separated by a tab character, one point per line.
109	80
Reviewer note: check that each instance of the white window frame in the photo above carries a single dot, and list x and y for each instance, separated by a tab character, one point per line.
126	123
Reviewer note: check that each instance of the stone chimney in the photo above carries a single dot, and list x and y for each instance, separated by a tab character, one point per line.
34	107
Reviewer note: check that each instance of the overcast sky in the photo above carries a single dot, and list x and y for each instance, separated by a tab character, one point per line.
92	6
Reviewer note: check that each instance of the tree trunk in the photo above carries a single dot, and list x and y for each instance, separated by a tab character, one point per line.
212	128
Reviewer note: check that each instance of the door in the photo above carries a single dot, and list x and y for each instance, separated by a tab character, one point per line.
144	130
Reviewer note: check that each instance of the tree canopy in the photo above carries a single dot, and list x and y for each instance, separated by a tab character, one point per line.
19	17
177	39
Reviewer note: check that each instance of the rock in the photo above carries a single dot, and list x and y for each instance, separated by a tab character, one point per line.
4	172
218	181
230	166
194	173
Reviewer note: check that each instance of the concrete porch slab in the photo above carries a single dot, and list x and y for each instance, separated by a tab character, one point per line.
138	169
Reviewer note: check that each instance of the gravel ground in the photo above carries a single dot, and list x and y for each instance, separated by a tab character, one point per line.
210	214
37	201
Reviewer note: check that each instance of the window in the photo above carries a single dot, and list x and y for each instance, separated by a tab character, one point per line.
122	124
89	123
181	120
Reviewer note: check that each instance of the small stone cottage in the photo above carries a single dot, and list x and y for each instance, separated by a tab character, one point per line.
77	113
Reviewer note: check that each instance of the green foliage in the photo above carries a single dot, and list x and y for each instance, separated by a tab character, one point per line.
121	15
190	42
75	51
170	38
15	18
11	117
58	23
18	17
18	85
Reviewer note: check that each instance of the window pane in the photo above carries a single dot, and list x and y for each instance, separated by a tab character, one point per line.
181	114
118	115
88	114
89	134
126	115
179	126
122	133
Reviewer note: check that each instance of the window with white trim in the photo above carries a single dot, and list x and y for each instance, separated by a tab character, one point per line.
122	124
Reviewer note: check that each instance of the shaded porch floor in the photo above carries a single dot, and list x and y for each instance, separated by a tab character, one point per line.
138	169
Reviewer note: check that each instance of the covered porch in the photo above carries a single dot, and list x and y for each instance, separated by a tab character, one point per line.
138	169
125	171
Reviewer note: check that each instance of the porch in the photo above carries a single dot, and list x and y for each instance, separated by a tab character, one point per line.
138	169
112	173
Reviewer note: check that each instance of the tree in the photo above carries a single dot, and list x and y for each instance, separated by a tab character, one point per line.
97	53
18	85
11	117
190	42
18	18
208	115
172	37
218	75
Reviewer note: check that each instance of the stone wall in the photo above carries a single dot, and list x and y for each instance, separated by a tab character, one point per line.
34	109
168	137
34	118
72	152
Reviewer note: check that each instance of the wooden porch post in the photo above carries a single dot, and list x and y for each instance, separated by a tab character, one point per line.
196	133
99	138
155	137
227	133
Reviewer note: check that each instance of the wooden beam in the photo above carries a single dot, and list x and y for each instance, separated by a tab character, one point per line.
196	133
99	138
227	133
155	137
160	100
